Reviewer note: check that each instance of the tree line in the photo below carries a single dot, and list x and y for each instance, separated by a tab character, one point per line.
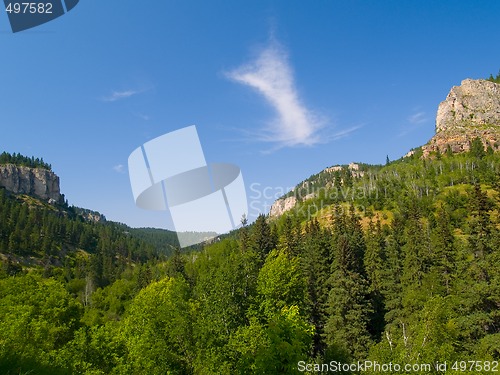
25	161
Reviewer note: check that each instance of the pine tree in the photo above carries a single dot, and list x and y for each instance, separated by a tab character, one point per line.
444	250
349	308
416	262
261	237
375	263
290	237
477	148
316	263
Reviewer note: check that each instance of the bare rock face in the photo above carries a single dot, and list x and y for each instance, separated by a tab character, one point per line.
473	103
38	182
282	205
470	110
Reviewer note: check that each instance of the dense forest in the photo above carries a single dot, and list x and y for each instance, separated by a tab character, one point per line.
399	264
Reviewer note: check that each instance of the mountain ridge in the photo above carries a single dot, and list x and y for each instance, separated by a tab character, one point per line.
470	111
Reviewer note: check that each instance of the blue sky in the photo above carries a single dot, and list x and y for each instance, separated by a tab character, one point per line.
282	89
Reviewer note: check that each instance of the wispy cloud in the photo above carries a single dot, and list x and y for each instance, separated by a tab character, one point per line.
118	95
122	94
414	120
119	168
142	116
417	118
344	133
271	75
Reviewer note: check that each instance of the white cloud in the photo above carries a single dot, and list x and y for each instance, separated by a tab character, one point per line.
414	121
119	168
270	74
118	95
417	118
344	133
142	116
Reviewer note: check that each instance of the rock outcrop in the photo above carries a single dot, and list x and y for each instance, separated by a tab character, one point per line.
470	110
282	205
38	182
306	190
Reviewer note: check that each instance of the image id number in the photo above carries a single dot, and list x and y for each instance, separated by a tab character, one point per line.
29	8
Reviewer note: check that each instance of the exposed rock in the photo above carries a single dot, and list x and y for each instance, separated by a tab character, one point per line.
93	216
335	168
353	167
409	153
473	103
38	182
470	110
282	205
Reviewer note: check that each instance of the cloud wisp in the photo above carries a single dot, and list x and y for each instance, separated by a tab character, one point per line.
142	116
118	95
271	75
119	168
417	118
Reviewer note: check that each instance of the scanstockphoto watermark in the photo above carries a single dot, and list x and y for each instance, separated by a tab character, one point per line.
320	197
367	366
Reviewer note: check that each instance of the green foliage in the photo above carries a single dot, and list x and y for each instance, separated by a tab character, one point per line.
281	284
494	79
315	259
18	159
477	148
406	270
30	228
96	350
274	347
37	318
349	307
261	238
157	329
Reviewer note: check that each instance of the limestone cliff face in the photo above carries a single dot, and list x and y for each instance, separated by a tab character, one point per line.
282	205
470	110
38	182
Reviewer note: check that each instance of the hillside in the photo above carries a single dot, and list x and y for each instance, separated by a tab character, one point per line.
391	264
40	232
470	112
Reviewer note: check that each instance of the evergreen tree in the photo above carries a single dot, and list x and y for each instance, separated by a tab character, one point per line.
477	148
261	237
290	237
444	250
316	263
349	308
375	263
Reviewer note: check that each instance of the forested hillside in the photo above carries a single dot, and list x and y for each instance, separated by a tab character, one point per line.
400	265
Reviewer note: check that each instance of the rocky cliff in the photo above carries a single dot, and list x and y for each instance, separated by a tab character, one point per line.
38	182
307	190
470	110
282	205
